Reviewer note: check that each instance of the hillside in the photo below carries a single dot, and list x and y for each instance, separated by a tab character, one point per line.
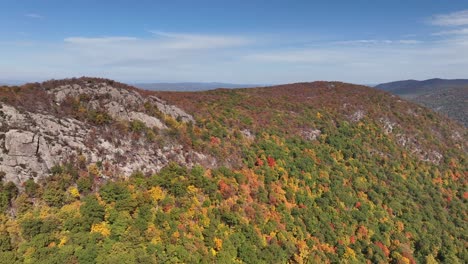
97	171
452	102
449	97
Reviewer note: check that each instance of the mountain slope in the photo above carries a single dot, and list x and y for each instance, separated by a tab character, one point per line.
449	97
452	102
309	172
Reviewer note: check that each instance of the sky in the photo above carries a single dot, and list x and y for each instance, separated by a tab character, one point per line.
249	42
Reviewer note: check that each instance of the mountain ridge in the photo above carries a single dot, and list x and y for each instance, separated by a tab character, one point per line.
99	171
103	102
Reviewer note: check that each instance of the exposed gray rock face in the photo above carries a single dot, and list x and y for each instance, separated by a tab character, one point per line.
410	142
11	116
248	134
172	110
122	96
32	143
119	112
149	121
387	125
357	116
116	110
119	100
311	134
21	143
21	151
119	103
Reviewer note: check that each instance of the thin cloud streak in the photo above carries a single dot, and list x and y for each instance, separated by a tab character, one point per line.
200	41
459	18
34	16
462	31
141	51
377	42
94	41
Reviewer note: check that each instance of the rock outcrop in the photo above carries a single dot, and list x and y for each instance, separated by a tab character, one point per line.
172	110
311	134
31	143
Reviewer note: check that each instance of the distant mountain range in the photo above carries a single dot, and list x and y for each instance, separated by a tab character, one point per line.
190	86
11	82
449	97
412	88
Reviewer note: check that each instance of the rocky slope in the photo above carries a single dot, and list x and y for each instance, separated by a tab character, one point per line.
36	137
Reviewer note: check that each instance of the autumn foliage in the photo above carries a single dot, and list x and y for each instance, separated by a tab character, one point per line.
297	180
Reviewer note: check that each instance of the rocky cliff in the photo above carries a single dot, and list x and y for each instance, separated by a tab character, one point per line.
92	121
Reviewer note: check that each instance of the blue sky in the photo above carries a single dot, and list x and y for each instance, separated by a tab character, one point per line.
234	41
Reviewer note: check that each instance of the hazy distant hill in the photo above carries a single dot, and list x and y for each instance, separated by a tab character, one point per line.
11	82
412	88
449	97
190	86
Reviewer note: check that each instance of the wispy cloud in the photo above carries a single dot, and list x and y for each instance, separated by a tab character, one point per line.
232	58
100	40
310	55
34	16
200	41
182	56
168	50
461	31
409	41
459	18
377	42
165	40
359	63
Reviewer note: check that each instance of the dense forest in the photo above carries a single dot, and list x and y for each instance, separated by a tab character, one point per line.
308	173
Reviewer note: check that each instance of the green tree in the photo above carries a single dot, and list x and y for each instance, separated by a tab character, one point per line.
92	211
